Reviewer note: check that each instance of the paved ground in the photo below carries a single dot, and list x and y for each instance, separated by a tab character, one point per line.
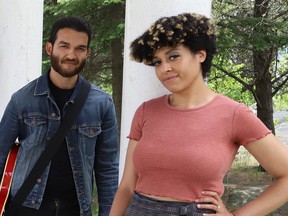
281	127
282	132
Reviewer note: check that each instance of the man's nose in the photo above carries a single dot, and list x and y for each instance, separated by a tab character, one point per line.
71	54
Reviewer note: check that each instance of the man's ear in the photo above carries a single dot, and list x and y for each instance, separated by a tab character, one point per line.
88	52
49	48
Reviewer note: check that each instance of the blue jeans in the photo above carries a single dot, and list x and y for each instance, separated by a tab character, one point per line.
144	206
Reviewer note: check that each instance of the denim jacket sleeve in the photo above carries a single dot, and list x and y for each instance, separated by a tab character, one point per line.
106	165
8	132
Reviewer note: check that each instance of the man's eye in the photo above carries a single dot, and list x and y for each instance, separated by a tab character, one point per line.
82	49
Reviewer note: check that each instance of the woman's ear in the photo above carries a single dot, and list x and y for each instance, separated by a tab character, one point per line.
201	55
49	48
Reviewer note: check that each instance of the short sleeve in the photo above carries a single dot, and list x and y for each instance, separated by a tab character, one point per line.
137	124
247	127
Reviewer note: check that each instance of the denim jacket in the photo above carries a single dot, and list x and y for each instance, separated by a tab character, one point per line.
32	117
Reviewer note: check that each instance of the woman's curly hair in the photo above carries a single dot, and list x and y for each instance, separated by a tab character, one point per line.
193	30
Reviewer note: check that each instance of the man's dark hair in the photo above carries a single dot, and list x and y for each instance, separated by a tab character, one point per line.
72	22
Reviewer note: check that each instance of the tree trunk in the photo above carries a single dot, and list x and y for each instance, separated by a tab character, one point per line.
117	75
261	61
263	89
117	47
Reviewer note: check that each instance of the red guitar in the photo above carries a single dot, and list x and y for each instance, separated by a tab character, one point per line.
7	177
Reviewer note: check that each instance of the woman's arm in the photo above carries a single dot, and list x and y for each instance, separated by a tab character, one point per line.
127	185
273	157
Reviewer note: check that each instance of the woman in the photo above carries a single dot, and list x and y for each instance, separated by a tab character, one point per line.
182	144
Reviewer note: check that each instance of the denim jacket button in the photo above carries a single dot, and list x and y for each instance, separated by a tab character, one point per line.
34	122
39	180
53	115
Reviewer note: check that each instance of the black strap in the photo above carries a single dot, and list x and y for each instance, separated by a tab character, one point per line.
51	147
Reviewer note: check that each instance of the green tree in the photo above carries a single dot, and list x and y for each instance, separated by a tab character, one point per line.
250	36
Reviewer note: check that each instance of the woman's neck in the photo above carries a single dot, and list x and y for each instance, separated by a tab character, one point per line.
192	99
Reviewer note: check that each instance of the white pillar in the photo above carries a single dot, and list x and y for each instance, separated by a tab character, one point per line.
21	24
139	81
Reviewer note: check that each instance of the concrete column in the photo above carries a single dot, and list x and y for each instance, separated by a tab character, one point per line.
21	23
140	82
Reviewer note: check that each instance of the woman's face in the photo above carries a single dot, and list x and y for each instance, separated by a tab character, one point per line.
178	69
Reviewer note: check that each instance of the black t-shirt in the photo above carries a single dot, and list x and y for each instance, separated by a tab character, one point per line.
60	184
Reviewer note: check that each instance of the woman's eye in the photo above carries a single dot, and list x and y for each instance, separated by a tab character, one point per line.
156	63
172	57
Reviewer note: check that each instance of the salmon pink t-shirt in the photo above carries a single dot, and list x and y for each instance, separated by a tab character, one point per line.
181	152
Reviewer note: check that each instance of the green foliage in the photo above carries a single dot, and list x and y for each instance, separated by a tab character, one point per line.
281	102
228	86
276	121
112	1
241	34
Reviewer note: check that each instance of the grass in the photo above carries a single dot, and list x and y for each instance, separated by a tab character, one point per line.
245	171
94	202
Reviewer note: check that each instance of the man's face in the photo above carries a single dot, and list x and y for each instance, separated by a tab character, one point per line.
69	53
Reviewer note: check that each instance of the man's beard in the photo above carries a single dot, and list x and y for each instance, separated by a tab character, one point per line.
66	73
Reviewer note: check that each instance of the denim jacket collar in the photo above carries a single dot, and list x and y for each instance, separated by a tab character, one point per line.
42	86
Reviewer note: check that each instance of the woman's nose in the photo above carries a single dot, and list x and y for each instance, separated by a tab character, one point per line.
166	67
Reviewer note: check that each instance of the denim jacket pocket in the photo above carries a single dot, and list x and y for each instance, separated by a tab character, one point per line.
35	126
88	134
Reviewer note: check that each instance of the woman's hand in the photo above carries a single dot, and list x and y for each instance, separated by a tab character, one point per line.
214	202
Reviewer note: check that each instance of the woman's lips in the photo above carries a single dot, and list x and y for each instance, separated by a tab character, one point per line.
169	78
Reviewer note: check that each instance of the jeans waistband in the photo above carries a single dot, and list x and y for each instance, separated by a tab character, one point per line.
168	207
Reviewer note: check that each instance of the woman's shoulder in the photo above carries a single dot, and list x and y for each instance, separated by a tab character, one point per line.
153	104
155	101
224	100
232	106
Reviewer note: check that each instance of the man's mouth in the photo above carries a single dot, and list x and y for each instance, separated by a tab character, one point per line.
70	62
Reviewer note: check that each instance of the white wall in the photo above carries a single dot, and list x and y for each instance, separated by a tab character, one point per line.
139	81
21	24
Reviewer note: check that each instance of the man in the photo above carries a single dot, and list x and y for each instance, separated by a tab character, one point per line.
33	115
